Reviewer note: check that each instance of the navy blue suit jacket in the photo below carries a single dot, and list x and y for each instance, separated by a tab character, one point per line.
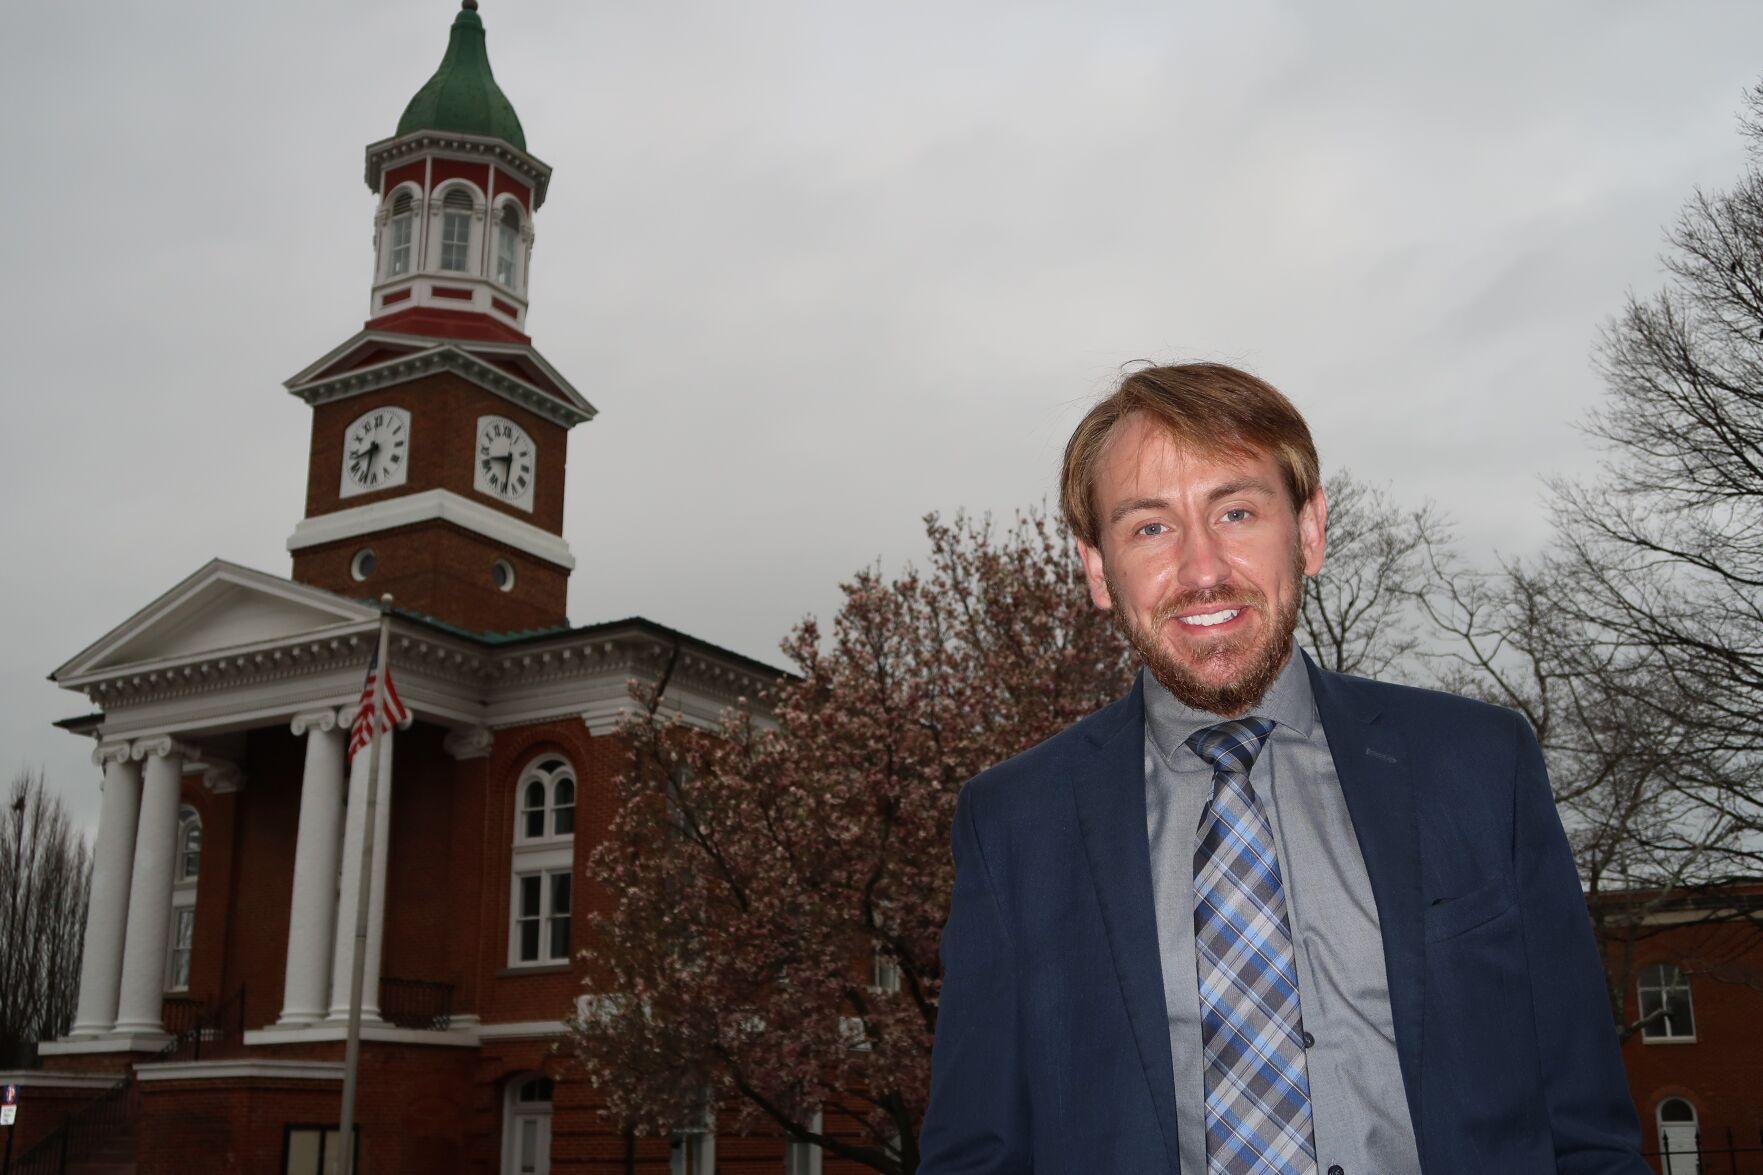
1053	1053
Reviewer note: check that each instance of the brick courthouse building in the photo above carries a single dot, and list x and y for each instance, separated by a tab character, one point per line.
213	995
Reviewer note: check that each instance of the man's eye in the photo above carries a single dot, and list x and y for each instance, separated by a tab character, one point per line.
1152	528
1237	515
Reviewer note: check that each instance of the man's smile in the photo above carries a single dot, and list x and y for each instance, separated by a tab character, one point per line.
1212	619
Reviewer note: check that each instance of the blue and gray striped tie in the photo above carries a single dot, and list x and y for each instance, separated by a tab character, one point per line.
1257	1086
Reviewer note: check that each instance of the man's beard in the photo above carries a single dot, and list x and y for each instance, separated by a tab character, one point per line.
1262	657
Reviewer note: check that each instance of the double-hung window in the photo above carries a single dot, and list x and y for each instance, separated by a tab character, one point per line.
507	244
1665	1003
187	867
399	235
542	896
456	209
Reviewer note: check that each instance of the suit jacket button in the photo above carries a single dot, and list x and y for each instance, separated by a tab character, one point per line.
1310	1043
1337	1169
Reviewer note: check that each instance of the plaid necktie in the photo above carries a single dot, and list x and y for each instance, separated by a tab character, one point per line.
1257	1087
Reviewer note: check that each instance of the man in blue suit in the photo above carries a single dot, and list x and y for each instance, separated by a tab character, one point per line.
1256	916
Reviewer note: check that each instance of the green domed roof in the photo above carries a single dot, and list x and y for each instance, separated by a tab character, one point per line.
463	95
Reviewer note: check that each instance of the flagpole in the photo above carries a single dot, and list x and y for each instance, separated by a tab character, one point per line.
363	892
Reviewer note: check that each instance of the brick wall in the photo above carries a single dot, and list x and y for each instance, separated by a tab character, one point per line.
444	571
266	821
1720	1073
444	408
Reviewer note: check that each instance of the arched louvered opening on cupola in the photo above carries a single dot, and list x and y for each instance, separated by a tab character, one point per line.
456	215
400	234
508	245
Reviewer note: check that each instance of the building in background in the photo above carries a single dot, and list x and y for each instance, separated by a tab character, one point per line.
218	951
1691	970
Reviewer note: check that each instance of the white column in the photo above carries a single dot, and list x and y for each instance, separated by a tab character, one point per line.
149	921
312	915
107	911
349	885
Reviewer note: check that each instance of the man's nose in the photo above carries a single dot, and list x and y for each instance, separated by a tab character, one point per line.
1202	563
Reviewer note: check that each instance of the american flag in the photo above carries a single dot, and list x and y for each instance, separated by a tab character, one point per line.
392	710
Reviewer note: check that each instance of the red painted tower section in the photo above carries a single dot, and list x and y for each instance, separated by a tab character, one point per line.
440	435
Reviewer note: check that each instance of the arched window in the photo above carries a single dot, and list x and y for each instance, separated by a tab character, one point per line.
456	208
400	233
540	897
186	868
508	244
1679	1152
547	801
526	1126
189	863
1665	1003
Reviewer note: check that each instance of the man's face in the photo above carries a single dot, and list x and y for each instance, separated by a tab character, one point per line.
1201	562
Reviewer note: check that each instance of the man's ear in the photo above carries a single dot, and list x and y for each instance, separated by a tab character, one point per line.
1096	574
1313	531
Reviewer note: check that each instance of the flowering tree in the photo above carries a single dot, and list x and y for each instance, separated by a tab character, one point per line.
777	887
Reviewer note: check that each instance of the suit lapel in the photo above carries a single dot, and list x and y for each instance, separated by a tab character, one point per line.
1371	760
1109	783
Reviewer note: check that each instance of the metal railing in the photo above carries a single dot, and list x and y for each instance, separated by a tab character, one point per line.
1706	1159
218	1029
193	1027
416	1003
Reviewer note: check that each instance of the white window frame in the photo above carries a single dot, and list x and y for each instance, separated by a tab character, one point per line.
804	1158
180	946
514	1112
1673	1159
884	973
472	218
546	856
1662	990
395	220
542	772
501	233
693	1152
189	821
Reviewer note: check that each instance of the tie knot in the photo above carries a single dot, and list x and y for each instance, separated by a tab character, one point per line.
1233	745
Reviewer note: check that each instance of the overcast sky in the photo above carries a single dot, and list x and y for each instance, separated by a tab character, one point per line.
823	267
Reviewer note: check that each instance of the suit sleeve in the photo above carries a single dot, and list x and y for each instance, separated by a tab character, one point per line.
977	1122
1591	1116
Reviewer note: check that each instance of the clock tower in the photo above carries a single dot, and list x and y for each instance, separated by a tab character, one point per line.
439	433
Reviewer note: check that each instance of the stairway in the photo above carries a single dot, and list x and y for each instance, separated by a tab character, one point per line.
114	1154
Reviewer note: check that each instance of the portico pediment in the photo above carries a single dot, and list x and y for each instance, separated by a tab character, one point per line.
221	607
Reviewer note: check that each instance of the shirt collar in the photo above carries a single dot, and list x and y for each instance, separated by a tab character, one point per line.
1288	701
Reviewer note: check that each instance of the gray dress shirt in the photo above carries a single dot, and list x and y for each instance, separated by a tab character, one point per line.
1356	1095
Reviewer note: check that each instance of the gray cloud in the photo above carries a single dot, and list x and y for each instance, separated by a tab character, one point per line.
824	267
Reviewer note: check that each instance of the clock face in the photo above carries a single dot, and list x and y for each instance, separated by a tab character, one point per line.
376	451
505	460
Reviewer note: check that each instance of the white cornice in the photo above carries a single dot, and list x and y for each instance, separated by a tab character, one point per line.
241	1070
389	1033
427	507
49	1079
456	145
446	356
522	1029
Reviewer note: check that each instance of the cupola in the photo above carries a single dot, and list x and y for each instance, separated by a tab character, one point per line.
453	232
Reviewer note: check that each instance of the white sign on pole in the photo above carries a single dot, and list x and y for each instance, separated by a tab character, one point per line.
8	1115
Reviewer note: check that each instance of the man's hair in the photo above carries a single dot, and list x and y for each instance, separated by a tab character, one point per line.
1207	407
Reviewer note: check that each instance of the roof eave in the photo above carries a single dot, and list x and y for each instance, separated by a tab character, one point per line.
386	152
